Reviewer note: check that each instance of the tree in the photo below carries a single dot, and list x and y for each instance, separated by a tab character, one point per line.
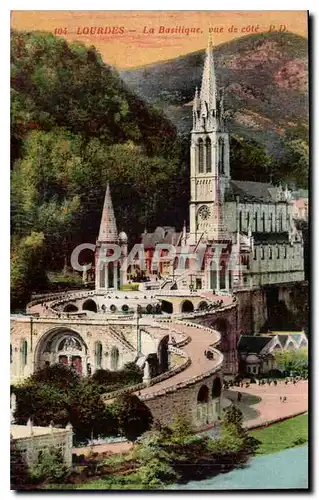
88	414
181	428
133	416
43	403
232	416
27	269
58	375
292	361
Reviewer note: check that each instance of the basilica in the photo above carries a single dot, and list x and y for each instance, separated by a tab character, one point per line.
247	228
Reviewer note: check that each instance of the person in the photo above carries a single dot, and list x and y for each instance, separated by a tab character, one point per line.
284	399
275	382
280	399
239	396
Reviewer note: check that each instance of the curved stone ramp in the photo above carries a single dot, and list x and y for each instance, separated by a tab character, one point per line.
201	339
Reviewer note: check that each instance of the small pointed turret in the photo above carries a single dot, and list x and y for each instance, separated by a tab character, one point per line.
184	235
196	101
108	229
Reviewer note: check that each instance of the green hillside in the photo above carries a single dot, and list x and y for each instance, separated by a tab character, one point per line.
74	127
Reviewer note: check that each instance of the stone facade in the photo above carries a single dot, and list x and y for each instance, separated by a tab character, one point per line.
97	344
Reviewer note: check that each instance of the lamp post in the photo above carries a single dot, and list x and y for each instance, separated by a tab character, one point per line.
138	333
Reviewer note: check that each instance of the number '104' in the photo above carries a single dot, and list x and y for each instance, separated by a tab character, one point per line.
60	31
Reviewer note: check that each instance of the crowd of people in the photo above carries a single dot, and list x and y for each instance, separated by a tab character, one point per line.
265	382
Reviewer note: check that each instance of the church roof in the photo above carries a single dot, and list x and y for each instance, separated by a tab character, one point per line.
108	230
252	343
166	234
282	339
251	192
271	238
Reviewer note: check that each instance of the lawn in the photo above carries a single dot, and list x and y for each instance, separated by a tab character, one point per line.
287	434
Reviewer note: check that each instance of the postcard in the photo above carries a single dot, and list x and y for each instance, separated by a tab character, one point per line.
159	250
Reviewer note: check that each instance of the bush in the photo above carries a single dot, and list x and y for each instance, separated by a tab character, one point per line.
50	468
19	476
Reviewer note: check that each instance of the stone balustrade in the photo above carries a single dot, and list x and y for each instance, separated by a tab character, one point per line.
153	381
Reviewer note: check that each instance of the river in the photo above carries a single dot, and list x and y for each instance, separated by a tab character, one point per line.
286	469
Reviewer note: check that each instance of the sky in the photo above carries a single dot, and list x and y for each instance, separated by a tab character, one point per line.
133	43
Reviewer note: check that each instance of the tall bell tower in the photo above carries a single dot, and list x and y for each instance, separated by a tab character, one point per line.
209	161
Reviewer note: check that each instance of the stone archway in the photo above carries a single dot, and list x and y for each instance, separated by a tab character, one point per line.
217	388
62	345
163	354
70	308
203	306
187	306
89	305
167	307
203	395
202	405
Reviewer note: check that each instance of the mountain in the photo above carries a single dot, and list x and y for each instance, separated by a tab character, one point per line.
265	77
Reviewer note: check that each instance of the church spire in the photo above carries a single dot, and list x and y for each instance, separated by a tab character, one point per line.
108	229
208	88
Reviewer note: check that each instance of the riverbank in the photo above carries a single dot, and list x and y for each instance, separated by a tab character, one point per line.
276	441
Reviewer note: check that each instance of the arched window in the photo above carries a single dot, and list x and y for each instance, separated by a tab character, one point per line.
280	222
248	220
262	253
24	353
98	354
102	274
200	147
256	222
263	222
208	155
187	263
240	221
114	358
278	252
271	222
270	253
221	156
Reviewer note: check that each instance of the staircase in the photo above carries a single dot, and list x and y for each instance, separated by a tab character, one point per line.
121	339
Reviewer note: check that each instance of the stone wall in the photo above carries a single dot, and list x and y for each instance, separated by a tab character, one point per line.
184	402
38	441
